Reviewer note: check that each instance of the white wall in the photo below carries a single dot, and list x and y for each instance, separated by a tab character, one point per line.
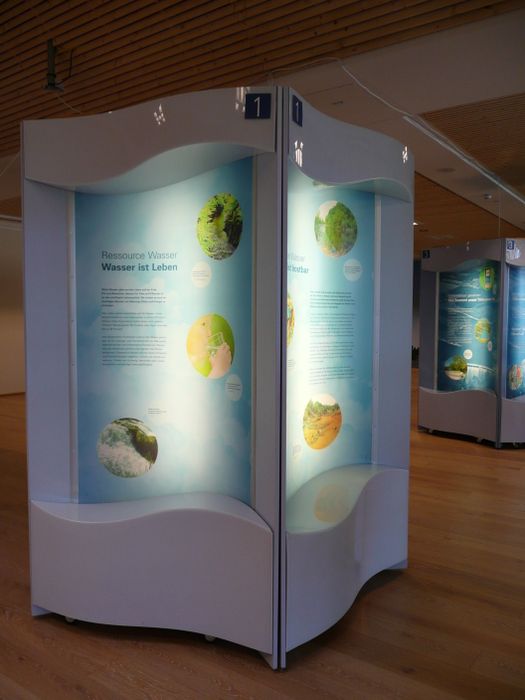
11	307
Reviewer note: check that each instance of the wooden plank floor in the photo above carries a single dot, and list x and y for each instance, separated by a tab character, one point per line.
451	626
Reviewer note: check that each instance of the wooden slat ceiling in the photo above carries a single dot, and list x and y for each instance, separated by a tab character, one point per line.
121	52
444	219
492	131
114	53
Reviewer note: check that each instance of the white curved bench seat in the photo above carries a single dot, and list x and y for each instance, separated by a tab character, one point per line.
468	412
344	526
175	561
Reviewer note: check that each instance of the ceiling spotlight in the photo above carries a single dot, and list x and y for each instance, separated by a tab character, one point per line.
488	196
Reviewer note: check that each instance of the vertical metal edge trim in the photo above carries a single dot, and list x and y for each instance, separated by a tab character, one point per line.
253	421
72	350
29	451
503	322
376	342
282	152
436	332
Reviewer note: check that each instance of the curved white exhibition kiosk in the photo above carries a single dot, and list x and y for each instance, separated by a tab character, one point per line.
472	356
218	319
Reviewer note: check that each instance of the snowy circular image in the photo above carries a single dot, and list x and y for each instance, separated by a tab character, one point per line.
335	228
219	226
127	447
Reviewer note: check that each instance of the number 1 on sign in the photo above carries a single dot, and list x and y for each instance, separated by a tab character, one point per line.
297	111
258	105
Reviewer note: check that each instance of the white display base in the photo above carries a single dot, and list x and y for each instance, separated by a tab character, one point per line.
468	412
353	525
513	420
195	562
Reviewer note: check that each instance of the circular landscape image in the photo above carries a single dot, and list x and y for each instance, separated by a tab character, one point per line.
482	330
322	421
335	229
456	368
219	226
290	319
515	377
127	447
210	346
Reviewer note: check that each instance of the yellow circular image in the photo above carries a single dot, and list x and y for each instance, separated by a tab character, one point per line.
515	377
210	346
290	319
322	421
482	330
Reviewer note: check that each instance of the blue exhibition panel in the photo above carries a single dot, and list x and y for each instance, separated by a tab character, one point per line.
472	340
218	404
164	331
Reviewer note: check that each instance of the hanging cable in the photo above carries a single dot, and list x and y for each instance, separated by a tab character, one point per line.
421	124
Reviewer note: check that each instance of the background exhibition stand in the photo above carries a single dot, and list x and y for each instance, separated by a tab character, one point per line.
483	400
271	549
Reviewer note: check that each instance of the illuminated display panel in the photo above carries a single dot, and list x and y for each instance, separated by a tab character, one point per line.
516	333
468	327
329	328
164	325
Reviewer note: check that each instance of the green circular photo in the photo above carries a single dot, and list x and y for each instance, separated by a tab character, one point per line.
210	346
486	277
335	229
127	447
219	226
